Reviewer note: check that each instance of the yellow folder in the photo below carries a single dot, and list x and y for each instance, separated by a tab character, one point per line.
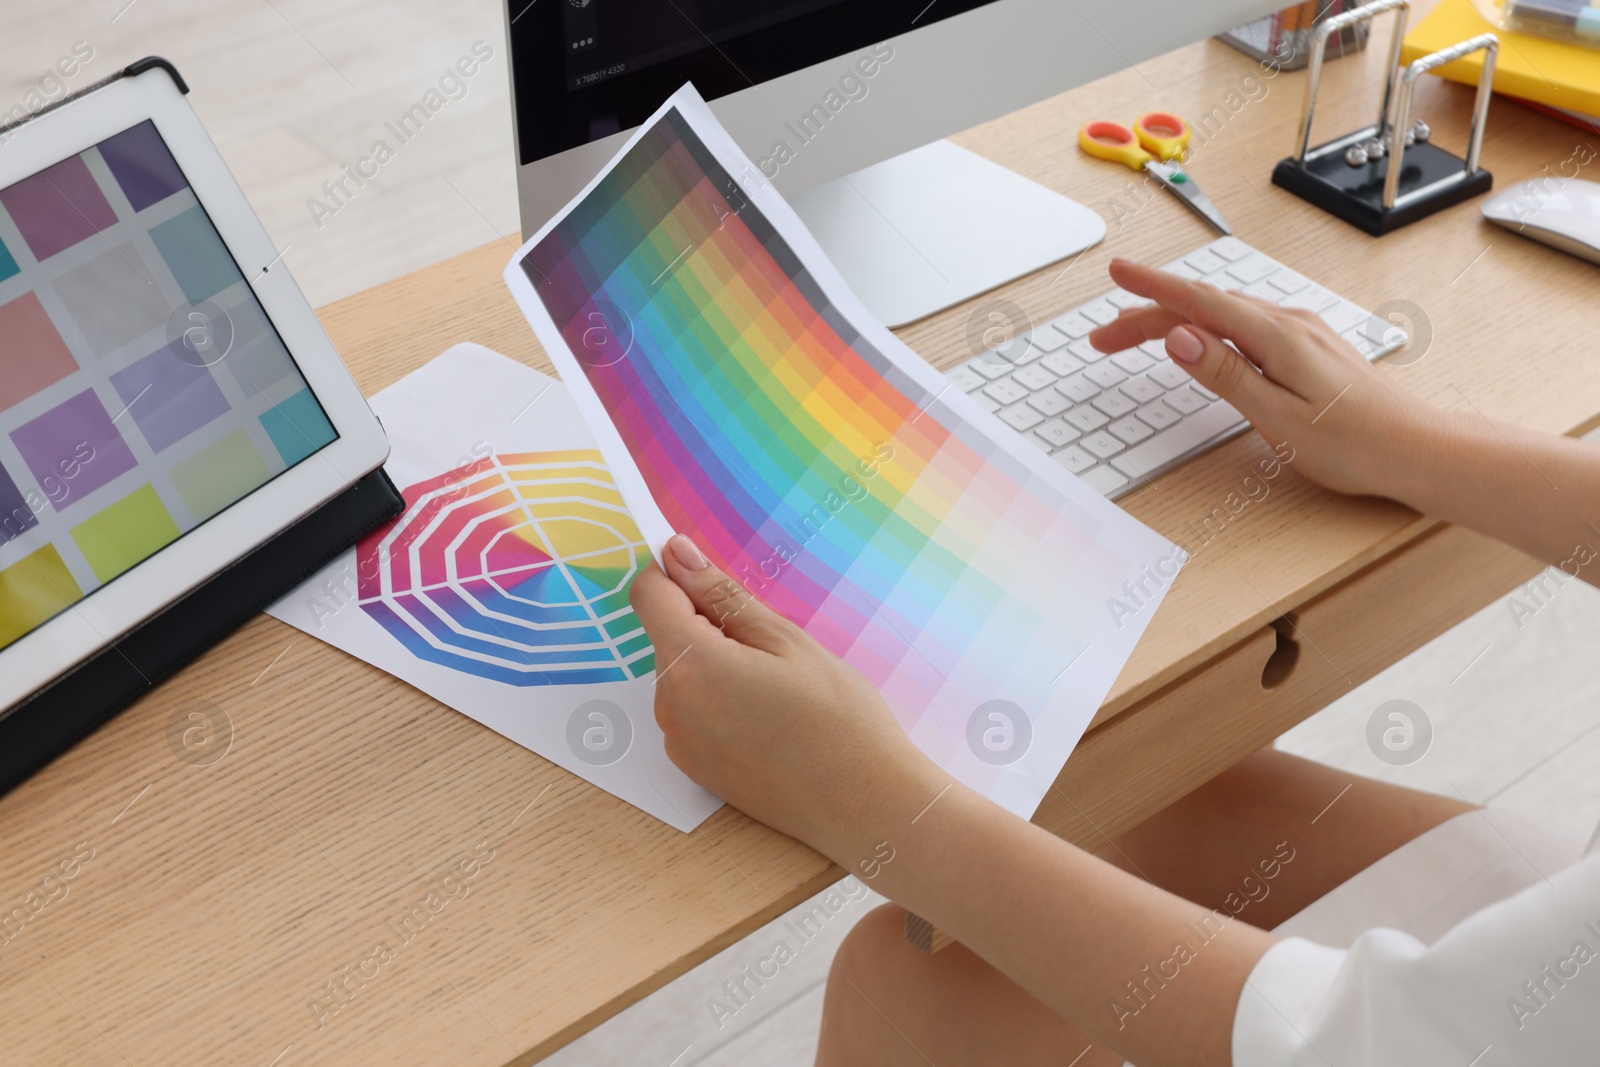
1547	72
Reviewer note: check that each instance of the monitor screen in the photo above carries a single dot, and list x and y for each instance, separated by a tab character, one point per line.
585	69
142	387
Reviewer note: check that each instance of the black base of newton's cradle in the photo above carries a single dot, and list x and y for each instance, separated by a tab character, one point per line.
1355	194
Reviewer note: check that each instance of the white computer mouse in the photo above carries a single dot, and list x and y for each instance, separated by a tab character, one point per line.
1561	212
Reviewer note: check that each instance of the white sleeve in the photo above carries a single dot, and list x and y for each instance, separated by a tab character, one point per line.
1516	983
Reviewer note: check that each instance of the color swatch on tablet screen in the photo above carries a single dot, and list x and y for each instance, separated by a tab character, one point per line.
804	461
143	389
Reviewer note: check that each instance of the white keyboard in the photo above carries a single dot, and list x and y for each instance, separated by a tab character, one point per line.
1117	421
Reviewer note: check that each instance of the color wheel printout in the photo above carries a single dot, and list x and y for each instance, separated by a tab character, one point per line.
502	590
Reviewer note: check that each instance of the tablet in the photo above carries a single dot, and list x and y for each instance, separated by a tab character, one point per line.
168	400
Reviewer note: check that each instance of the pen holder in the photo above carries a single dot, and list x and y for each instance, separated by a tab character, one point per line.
1389	174
1283	39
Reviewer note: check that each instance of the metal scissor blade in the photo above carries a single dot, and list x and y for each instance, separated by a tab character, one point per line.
1189	192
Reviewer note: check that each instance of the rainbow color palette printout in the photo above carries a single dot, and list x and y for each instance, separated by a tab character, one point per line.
741	395
502	589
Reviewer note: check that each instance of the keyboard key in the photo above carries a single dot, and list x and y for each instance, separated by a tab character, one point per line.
1344	315
1086	352
1205	262
988	405
966	379
1101	444
1263	291
1005	391
1112	402
1130	431
1384	334
1287	281
1312	298
1058	432
1105	375
1182	270
1226	282
1048	402
1010	355
1039	443
1086	419
990	367
1034	377
1168	445
1391	338
1103	480
1185	401
1230	248
1155	349
1073	325
1047	338
1061	364
1252	268
1142	390
1099	311
1157	415
1078	389
1020	417
1133	361
1121	298
1168	375
1075	459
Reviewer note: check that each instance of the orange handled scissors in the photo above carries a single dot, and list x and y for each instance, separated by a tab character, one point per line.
1156	145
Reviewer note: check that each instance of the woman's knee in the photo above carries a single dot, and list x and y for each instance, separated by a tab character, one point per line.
871	950
887	1002
861	963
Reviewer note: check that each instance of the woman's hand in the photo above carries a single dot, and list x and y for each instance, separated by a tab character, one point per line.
1351	429
760	714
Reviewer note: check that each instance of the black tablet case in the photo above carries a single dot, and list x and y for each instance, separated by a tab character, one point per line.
50	720
44	724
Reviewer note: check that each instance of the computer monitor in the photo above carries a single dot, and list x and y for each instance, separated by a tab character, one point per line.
823	94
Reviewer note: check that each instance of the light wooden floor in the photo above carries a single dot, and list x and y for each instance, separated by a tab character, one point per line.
292	89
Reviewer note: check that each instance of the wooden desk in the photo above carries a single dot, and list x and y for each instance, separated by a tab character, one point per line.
220	900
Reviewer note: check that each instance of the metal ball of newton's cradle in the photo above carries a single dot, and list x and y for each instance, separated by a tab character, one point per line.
1357	155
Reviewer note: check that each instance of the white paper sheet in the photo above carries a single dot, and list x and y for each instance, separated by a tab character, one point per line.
740	392
500	587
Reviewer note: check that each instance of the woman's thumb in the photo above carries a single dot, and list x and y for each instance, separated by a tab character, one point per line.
726	603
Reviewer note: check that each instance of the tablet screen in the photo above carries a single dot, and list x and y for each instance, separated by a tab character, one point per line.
142	387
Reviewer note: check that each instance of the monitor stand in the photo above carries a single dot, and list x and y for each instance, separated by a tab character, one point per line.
933	227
